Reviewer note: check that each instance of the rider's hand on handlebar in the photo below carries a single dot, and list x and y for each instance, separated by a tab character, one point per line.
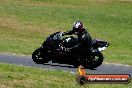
62	33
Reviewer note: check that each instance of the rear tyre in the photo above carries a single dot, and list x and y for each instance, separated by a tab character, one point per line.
39	57
93	60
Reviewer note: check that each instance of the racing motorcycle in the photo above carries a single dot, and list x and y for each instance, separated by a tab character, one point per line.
68	51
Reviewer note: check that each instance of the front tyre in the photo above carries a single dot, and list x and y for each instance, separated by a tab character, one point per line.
39	57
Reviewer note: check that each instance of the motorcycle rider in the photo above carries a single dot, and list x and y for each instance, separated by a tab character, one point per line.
84	37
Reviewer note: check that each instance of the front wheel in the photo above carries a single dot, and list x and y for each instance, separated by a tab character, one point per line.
39	57
93	60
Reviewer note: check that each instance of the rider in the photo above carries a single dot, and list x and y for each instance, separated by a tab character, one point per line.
83	36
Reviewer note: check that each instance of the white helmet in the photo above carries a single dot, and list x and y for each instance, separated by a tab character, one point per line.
78	25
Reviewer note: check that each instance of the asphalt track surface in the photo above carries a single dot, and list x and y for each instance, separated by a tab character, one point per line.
27	61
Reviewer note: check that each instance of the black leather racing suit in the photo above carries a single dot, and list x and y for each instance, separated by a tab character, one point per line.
83	36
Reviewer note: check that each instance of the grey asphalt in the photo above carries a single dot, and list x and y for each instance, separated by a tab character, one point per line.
27	61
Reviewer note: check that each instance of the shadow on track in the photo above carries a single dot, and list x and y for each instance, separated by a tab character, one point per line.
65	66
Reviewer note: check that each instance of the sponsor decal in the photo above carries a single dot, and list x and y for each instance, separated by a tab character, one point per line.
83	78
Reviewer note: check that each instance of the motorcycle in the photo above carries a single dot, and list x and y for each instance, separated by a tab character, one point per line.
68	51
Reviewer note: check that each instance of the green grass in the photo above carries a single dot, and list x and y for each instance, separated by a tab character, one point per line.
24	24
12	76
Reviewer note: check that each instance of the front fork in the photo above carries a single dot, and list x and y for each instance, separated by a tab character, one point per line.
94	50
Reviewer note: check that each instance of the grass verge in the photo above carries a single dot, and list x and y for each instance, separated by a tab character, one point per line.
12	76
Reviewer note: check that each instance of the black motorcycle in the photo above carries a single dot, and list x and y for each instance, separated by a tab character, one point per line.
68	51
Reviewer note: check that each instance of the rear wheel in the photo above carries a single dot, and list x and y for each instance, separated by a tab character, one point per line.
93	60
39	57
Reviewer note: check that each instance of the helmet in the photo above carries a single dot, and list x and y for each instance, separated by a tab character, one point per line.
78	25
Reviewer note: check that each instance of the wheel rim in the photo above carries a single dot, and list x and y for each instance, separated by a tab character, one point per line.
38	56
95	58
